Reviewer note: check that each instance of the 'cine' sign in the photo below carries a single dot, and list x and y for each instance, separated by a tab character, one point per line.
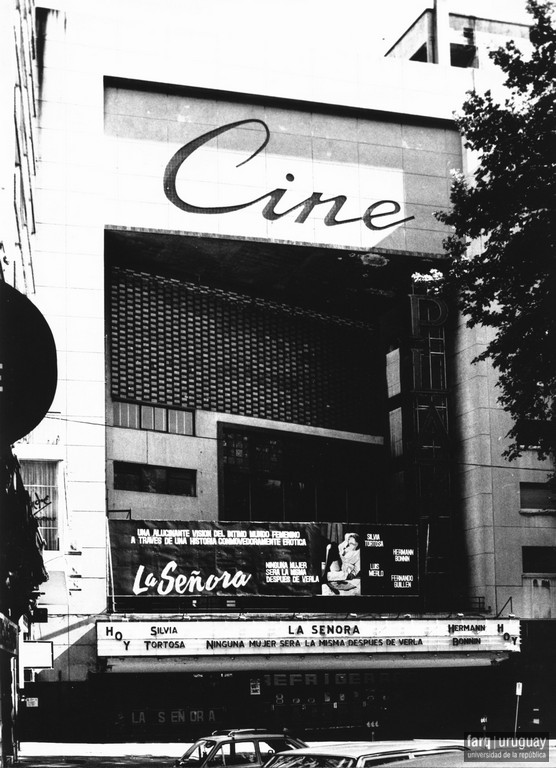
377	209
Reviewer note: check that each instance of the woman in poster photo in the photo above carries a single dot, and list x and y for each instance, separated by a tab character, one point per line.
342	568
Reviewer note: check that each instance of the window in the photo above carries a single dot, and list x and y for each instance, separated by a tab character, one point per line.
269	475
539	597
393	375
431	425
433	359
314	761
270	746
146	478
539	497
197	753
40	479
396	432
531	432
463	55
421	54
234	753
539	559
156	418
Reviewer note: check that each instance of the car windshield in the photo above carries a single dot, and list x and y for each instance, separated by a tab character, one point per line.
198	753
310	761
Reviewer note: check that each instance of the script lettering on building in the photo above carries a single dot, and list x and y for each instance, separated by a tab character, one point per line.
377	216
166	583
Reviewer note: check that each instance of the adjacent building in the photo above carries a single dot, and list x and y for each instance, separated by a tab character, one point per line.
26	346
271	479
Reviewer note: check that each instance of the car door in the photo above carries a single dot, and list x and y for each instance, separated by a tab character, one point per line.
234	754
244	754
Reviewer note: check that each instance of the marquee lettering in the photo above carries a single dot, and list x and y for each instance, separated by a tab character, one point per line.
374	217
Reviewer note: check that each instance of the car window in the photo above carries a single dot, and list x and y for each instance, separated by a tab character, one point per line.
242	753
295	760
268	747
198	752
220	756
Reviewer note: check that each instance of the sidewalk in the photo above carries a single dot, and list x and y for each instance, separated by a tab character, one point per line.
44	749
79	749
141	749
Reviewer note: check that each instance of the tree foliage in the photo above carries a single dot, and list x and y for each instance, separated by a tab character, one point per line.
507	279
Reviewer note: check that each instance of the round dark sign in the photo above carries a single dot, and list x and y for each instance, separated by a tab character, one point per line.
28	366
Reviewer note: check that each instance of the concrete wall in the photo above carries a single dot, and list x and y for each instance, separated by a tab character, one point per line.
495	529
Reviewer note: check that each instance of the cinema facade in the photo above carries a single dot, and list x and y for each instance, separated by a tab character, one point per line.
255	458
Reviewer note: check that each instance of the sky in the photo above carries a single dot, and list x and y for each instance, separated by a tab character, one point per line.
294	27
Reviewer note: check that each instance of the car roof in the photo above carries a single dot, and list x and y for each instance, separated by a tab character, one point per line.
246	733
357	749
454	760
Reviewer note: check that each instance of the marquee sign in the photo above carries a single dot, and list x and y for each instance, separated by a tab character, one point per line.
173	559
213	638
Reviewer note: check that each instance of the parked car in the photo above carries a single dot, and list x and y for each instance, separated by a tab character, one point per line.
239	747
458	759
364	754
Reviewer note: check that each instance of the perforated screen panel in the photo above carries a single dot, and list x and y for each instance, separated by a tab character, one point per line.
182	345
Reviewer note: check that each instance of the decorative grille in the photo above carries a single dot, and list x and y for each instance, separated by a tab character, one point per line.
177	344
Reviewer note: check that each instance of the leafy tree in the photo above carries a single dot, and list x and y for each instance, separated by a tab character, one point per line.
509	283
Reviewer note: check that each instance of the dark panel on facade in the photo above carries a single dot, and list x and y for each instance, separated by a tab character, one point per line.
539	559
276	476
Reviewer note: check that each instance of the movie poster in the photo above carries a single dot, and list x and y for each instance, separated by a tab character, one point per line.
172	559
